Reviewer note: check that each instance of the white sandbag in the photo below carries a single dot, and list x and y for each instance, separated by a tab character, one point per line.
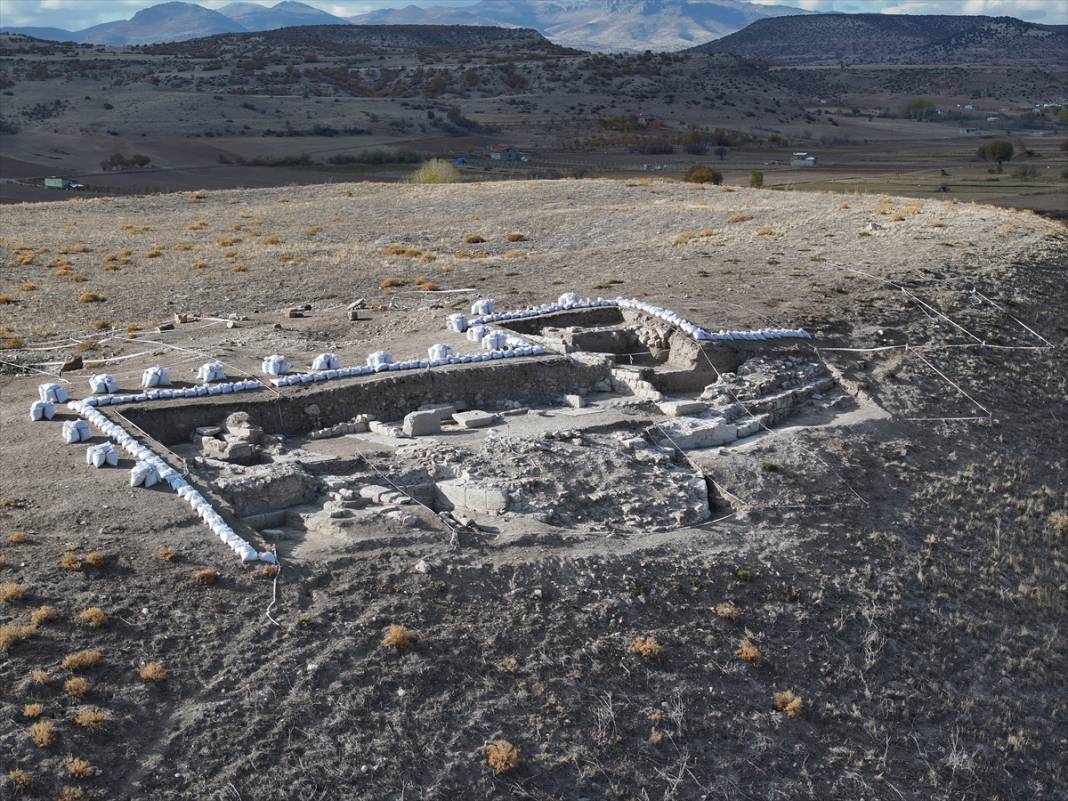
76	431
143	475
568	299
476	332
211	371
456	322
326	361
494	340
439	351
103	383
101	455
42	410
379	358
155	376
483	306
53	393
275	365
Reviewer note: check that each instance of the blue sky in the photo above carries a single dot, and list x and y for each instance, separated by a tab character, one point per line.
76	14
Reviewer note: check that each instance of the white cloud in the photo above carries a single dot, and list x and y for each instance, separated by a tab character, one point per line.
1052	12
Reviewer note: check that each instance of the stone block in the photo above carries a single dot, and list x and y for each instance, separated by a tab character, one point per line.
420	424
689	433
574	401
475	419
473	496
682	408
374	492
442	411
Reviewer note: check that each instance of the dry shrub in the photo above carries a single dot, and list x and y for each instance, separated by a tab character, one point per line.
739	216
515	236
239	268
728	611
93	617
647	647
689	236
78	767
12	592
426	284
509	664
228	241
20	778
11	343
70	561
77	278
199	264
18	537
199	194
937	224
130	228
32	711
501	756
787	702
26	258
40	677
91	297
96	559
268	571
399	637
14	633
435	171
199	225
425	258
6	300
168	553
28	287
76	686
766	230
43	733
90	717
1059	521
313	231
154	253
86	345
403	250
230	254
272	240
183	246
68	793
153	671
390	283
474	239
81	660
43	614
206	576
748	652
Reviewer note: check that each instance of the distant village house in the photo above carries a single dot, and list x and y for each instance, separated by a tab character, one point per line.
504	153
803	160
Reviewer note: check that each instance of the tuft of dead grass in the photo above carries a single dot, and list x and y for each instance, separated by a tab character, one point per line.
18	537
501	756
199	264
152	672
398	637
199	194
69	793
91	297
96	559
81	660
79	768
739	216
474	239
32	711
206	576
12	592
689	236
43	733
766	230
390	283
20	778
12	343
70	561
27	287
93	617
90	717
1059	521
43	614
40	677
168	553
515	236
647	647
728	611
76	686
787	702
749	652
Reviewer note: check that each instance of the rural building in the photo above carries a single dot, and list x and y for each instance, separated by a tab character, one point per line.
504	153
803	160
54	182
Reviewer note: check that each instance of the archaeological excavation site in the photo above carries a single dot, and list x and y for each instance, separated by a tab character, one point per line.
583	418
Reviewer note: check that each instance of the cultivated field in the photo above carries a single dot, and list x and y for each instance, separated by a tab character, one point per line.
876	614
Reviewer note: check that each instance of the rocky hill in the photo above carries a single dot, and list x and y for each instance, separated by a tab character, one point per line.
896	39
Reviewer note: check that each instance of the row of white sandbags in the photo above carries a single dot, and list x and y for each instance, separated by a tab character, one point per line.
165	472
170	394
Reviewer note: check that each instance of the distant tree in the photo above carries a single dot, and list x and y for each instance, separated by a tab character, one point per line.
919	108
701	174
721	152
756	179
1062	116
999	150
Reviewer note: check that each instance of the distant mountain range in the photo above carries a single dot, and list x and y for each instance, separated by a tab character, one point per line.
896	39
602	25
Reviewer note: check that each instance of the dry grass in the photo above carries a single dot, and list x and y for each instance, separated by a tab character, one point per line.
91	297
154	252
133	230
81	660
739	216
766	230
474	239
647	647
28	287
153	671
11	343
228	241
390	283
96	559
68	793
1059	521
313	231
20	778
199	194
501	756
426	284
267	571
168	554
32	711
689	236
93	617
199	225
12	592
70	561
515	236
206	576
509	664
43	614
199	264
18	537
43	733
787	702
400	638
90	717
272	240
183	246
748	652
76	686
728	611
86	345
6	300
78	767
40	677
